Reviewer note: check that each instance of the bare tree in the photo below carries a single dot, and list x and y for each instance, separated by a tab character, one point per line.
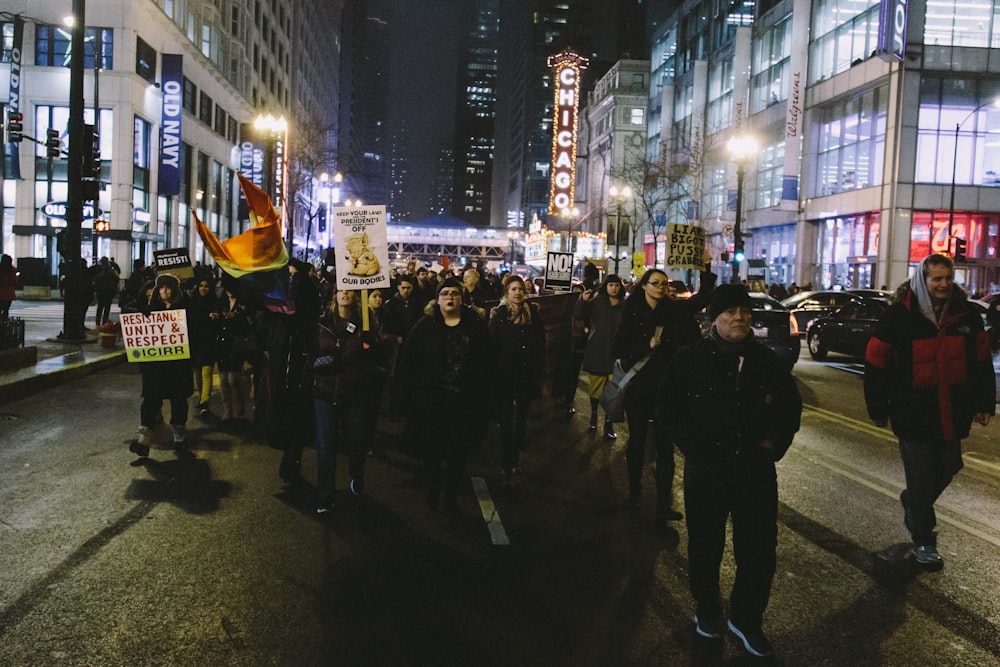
312	155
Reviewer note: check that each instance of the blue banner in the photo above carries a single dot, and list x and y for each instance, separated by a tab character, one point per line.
789	187
13	149
172	85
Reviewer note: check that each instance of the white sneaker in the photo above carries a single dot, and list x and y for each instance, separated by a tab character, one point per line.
179	433
143	435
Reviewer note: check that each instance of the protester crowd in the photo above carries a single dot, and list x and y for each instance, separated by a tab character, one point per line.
473	343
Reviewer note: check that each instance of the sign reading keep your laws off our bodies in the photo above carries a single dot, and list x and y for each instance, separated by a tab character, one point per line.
361	244
160	336
685	246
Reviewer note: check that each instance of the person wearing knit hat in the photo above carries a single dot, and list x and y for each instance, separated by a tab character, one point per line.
167	380
726	297
929	375
732	407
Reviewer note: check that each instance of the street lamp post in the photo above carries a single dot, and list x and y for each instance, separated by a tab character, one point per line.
954	164
74	308
741	148
619	195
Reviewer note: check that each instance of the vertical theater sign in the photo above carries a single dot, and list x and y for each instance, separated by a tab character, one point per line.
566	67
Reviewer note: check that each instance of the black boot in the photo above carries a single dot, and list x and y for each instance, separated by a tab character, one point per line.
609	430
593	421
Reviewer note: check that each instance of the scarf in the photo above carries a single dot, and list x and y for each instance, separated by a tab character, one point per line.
521	316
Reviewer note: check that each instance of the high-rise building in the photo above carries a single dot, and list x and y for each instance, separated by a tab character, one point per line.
177	87
531	31
475	111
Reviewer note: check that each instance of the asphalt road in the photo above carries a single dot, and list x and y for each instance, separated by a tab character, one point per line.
204	559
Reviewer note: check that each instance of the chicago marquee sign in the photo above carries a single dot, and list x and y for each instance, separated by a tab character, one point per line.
566	67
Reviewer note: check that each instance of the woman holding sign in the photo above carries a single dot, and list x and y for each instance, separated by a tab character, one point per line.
169	379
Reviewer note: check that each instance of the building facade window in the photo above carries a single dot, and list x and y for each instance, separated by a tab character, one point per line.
205	106
190	97
771	59
947	102
848	140
963	23
846	33
53	47
7	34
720	95
141	153
846	247
770	171
145	60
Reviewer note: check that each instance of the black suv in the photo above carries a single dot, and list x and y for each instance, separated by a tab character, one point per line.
847	330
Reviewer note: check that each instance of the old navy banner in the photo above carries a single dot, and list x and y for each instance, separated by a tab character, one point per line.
172	83
13	149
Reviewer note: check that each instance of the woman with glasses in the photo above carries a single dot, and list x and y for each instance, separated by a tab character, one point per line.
440	385
652	329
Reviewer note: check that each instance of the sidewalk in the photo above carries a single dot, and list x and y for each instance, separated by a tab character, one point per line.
57	361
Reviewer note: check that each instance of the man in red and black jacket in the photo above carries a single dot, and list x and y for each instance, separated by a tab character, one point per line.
929	372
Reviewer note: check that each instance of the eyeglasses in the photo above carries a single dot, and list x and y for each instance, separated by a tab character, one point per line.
657	283
450	293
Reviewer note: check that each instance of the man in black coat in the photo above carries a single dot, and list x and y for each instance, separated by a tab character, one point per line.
732	408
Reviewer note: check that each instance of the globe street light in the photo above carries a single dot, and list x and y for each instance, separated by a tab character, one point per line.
619	195
954	164
741	148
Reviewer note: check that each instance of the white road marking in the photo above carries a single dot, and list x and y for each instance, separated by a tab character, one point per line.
497	533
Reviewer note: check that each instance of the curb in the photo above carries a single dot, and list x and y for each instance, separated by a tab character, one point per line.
32	385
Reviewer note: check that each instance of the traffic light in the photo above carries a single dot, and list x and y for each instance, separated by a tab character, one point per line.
53	145
61	242
101	226
15	126
92	152
960	245
739	255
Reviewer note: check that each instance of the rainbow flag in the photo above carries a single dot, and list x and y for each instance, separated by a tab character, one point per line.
256	259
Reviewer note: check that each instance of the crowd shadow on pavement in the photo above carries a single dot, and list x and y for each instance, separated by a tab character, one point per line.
185	482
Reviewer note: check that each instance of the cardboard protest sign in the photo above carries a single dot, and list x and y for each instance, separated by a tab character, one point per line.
361	242
685	246
559	271
175	261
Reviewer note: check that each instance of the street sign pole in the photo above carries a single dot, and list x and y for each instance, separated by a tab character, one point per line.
74	308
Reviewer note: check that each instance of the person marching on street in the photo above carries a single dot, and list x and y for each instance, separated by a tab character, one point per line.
601	311
164	380
440	384
732	407
343	373
652	328
203	308
518	336
929	375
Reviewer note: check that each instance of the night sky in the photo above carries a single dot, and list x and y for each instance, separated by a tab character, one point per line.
425	40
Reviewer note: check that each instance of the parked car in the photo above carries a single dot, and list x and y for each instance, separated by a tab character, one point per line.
847	329
987	313
772	325
817	304
876	293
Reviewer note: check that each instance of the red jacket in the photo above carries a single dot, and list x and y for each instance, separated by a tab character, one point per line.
929	381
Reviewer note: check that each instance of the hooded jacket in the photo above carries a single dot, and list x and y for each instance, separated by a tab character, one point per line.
929	380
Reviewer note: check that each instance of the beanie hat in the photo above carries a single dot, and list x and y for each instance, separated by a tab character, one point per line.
166	279
728	296
452	282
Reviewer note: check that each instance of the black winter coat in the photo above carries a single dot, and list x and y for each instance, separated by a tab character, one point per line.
344	372
714	410
518	351
929	381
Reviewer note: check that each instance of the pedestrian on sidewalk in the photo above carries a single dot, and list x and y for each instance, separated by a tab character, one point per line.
929	374
441	383
105	290
653	327
8	285
601	311
732	407
164	380
518	336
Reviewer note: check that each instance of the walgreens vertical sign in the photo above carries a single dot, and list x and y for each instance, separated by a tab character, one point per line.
566	67
891	43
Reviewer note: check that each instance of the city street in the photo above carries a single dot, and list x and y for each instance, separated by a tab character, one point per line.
203	558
